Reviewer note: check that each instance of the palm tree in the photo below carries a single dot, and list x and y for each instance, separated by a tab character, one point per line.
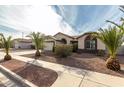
122	8
6	43
36	38
113	39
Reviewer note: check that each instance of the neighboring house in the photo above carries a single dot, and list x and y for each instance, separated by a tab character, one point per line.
22	43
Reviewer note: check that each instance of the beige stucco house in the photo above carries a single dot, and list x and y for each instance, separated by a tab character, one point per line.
85	42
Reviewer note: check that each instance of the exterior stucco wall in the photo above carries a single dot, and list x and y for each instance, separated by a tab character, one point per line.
81	42
61	36
100	45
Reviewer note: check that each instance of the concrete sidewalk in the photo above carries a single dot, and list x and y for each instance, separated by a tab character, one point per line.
75	77
7	82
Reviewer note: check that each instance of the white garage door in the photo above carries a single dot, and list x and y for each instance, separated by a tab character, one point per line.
48	46
23	45
16	45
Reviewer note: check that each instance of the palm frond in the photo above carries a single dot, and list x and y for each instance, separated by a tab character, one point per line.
122	8
111	37
6	43
38	39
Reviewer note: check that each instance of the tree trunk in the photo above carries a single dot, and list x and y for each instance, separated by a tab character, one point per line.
113	64
7	57
37	54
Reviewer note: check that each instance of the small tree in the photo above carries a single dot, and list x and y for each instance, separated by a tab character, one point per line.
6	43
36	38
113	39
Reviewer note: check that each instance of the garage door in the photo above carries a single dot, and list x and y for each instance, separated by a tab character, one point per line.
48	46
16	45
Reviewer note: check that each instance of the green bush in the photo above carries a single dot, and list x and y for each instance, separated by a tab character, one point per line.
75	47
100	53
63	50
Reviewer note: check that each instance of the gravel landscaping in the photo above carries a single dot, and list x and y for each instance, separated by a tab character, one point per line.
83	60
39	76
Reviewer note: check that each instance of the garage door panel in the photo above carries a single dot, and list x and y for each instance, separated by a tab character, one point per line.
48	46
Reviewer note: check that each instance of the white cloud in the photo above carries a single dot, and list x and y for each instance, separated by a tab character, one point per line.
44	19
34	18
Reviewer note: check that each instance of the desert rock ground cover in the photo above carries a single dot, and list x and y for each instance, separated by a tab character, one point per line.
39	76
83	60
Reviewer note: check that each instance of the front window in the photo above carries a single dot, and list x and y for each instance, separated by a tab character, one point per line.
64	41
90	44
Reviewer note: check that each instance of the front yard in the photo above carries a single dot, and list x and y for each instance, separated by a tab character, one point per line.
83	60
39	76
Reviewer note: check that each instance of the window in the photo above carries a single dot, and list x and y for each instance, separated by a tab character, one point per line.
90	44
64	41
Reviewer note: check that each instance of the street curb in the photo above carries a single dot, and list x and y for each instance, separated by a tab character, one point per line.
18	78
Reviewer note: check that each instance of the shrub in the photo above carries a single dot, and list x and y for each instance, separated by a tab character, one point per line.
75	47
63	50
100	53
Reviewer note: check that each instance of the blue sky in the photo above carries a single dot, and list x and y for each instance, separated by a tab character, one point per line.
73	20
88	17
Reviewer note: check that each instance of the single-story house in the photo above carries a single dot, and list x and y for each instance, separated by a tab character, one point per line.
85	42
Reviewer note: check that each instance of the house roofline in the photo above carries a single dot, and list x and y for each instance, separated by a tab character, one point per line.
64	35
87	33
23	40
